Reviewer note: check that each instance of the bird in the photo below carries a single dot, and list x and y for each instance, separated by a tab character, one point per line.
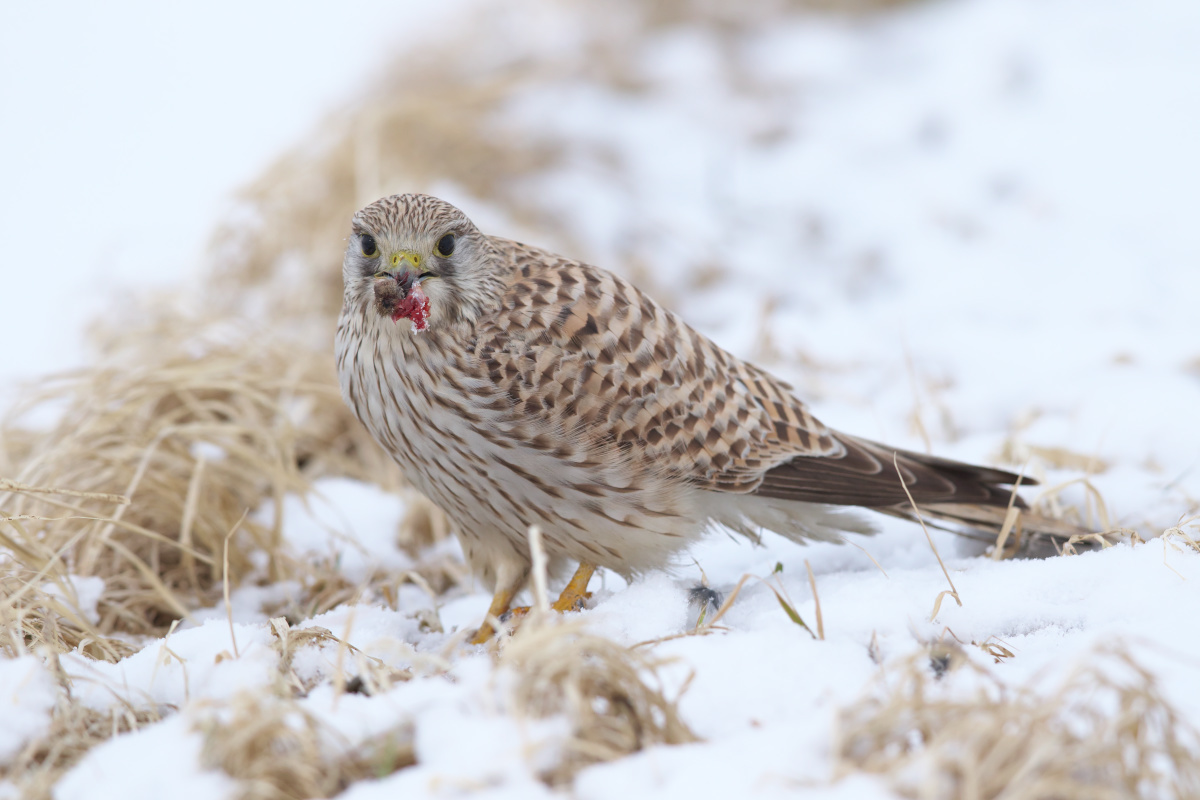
517	388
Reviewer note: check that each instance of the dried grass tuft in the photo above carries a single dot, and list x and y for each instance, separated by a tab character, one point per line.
610	694
187	443
279	751
183	428
1105	732
372	675
74	729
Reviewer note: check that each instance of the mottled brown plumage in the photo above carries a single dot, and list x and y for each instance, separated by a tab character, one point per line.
550	392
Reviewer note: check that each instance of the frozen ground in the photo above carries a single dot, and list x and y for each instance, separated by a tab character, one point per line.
975	214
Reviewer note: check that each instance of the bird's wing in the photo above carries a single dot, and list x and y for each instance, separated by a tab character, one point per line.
587	352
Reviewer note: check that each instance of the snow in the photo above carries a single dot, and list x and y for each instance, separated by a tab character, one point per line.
195	663
652	607
27	696
748	764
973	213
157	761
368	516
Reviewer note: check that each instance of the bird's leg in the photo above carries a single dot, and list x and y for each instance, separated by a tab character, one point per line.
499	607
572	597
575	592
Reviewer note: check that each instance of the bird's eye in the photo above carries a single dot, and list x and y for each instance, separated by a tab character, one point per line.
367	242
445	245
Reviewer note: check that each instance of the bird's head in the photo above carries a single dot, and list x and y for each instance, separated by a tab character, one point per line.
415	257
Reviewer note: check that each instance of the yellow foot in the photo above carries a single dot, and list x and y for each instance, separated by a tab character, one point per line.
499	607
576	592
508	618
571	599
483	634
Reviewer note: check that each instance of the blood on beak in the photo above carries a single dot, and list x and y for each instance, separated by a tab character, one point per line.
399	295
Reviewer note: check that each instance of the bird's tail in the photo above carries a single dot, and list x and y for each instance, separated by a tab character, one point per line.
1028	534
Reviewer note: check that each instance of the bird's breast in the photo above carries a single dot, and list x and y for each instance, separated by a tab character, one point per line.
495	468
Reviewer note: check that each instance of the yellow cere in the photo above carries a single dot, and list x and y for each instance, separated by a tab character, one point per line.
402	255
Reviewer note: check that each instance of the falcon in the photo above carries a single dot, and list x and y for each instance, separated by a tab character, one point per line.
516	387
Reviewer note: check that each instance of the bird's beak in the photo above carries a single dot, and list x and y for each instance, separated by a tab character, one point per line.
404	277
405	269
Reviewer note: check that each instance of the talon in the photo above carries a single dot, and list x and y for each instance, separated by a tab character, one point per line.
514	614
571	599
497	610
576	592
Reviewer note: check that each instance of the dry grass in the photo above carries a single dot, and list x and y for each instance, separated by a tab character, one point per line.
74	730
605	690
1106	731
163	451
278	751
368	674
602	688
262	738
1049	501
190	444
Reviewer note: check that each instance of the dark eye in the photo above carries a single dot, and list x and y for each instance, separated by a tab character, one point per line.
445	245
367	242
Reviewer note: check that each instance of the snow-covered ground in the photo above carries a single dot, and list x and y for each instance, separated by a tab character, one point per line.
977	214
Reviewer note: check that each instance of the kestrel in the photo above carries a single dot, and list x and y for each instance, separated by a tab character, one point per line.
515	387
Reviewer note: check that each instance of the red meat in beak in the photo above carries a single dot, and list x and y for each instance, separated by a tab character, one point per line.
400	296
